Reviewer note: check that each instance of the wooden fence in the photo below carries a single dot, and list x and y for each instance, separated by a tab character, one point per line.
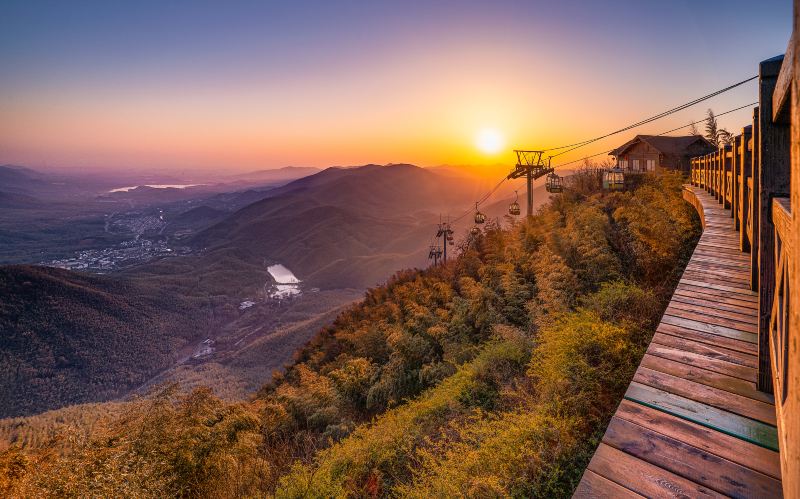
757	176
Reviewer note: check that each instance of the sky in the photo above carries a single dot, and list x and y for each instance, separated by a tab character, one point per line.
238	85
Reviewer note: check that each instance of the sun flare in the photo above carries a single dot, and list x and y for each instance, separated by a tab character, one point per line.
489	141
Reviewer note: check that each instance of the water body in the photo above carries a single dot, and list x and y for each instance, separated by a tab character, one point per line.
154	186
286	284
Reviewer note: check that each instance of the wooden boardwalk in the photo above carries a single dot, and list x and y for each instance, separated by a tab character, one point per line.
692	423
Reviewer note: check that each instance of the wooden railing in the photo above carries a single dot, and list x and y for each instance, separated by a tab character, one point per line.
752	176
779	313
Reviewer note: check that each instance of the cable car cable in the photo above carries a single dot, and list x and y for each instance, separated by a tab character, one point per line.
653	118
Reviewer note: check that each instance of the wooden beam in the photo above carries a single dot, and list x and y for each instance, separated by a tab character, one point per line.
783	87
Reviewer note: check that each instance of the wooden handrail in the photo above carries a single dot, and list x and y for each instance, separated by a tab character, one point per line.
783	87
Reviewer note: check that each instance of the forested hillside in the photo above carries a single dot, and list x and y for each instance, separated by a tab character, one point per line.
492	376
67	338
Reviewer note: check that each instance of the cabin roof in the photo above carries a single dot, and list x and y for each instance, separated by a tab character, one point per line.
665	144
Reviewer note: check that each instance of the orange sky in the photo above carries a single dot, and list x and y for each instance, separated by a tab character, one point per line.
416	84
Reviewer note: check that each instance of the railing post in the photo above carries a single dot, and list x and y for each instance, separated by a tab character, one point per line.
735	171
753	190
712	168
718	164
725	169
745	171
774	173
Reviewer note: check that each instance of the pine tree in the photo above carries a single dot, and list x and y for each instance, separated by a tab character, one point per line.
712	132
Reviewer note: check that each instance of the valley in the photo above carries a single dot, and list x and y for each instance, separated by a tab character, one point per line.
258	268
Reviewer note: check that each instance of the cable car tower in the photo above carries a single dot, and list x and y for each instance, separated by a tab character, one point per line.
531	165
446	233
435	253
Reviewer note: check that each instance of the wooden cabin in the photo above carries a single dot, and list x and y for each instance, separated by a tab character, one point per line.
651	153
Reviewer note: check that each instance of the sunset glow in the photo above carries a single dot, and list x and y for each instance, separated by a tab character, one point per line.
264	86
489	141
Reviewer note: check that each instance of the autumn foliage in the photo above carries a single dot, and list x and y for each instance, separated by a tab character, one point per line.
492	376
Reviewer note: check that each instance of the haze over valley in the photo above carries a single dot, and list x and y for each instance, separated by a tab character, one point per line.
258	261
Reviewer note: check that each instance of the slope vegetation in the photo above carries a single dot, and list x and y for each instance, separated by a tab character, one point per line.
344	227
68	338
492	376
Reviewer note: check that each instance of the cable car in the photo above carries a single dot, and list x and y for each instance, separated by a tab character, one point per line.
513	208
553	183
479	217
475	230
614	179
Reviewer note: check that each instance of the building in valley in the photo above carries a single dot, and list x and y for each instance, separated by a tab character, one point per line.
651	153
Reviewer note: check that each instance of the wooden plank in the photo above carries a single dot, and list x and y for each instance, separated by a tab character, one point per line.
758	458
747	326
734	264
710	278
690	462
695	359
715	270
706	350
782	94
741	297
709	339
708	308
707	377
594	486
739	292
710	328
736	293
714	397
714	249
642	477
744	428
705	252
718	245
709	248
689	296
718	269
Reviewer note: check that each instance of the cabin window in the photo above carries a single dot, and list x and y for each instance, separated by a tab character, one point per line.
651	165
635	165
623	163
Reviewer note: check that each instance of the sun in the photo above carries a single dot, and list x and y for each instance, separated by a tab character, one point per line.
489	141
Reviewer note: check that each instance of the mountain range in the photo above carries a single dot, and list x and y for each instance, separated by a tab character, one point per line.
339	230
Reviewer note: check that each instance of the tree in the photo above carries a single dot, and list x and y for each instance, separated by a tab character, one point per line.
724	137
712	131
714	134
693	129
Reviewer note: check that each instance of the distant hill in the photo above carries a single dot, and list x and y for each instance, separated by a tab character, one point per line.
344	227
20	179
277	175
17	200
68	338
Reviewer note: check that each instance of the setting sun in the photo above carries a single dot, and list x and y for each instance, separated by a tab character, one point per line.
489	141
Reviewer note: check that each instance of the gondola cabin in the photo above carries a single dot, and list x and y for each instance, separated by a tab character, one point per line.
479	217
614	179
513	208
553	183
475	230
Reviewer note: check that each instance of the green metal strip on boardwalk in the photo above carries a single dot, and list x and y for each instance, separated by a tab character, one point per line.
737	426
